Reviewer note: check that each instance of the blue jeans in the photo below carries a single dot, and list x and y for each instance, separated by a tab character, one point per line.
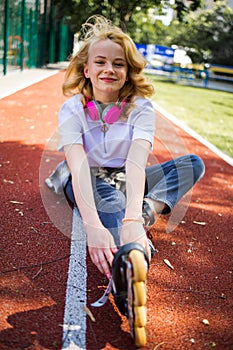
167	183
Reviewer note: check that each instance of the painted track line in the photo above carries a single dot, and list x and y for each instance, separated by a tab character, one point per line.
192	133
74	324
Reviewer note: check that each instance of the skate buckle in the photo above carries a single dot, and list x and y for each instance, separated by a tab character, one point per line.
102	300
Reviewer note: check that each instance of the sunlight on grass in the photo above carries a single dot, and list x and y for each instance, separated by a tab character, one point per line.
208	112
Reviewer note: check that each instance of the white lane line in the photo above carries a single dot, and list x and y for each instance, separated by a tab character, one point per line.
192	133
74	325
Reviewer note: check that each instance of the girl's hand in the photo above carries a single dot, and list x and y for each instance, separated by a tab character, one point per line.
135	232
101	247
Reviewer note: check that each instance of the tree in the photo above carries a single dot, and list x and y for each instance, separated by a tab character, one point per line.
121	12
148	29
207	36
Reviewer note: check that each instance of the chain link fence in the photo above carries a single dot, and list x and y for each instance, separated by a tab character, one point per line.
32	35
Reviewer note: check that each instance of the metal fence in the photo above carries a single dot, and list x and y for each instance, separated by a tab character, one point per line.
32	35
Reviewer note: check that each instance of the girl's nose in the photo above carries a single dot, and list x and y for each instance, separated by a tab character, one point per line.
109	67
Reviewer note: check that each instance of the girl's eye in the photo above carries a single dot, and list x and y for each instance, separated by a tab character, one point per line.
116	64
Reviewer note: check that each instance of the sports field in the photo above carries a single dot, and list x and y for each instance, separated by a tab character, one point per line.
207	111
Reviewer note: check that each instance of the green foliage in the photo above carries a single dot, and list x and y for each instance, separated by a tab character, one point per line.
207	35
148	29
182	9
121	12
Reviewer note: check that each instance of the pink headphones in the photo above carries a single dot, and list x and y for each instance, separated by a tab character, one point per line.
109	114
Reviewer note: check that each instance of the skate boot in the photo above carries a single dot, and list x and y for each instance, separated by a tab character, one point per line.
149	220
129	273
147	214
58	178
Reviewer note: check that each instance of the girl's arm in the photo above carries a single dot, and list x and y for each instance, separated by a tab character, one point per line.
100	242
135	186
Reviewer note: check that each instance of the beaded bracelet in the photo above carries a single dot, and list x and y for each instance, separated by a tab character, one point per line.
133	219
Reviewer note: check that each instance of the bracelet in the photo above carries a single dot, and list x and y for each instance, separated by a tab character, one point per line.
133	219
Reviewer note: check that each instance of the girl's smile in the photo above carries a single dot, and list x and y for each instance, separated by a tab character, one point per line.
107	69
108	80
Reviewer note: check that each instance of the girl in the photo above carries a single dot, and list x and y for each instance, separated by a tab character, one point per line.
106	132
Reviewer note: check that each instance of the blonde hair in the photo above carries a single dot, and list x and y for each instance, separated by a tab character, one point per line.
99	28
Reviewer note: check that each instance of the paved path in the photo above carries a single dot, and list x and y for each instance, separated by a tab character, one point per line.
17	80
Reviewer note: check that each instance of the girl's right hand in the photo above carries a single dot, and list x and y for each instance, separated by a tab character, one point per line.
101	247
135	232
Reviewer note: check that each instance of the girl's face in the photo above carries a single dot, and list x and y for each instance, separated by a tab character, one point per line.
107	69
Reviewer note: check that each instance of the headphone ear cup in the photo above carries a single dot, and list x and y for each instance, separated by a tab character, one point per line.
111	114
94	110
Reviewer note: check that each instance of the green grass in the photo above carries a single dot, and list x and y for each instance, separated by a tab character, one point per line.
208	112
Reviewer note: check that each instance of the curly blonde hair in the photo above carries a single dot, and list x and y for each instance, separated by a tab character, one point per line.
99	28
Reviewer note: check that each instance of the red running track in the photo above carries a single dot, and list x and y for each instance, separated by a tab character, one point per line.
196	239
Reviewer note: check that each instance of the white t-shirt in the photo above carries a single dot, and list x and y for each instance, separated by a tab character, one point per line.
110	148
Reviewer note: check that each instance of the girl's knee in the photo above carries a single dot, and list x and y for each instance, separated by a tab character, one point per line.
198	167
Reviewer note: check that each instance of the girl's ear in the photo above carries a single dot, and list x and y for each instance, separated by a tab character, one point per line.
85	71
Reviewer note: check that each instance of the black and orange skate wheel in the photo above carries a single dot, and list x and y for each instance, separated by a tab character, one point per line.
140	336
139	296
139	264
139	293
129	273
139	316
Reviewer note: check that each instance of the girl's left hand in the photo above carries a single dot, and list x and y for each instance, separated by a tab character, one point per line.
135	232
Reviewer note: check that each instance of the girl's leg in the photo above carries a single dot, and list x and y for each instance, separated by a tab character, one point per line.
168	182
110	204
